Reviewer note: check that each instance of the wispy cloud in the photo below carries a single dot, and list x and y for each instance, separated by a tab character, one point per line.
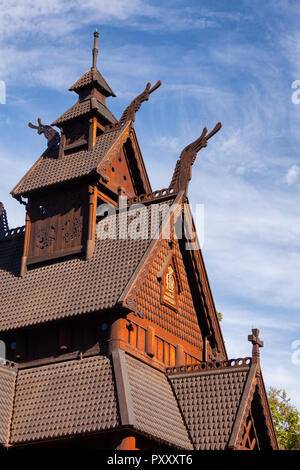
58	18
292	174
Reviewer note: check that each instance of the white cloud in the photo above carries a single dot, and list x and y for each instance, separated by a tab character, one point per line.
58	17
292	174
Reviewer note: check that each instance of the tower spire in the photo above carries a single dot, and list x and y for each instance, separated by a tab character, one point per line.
95	49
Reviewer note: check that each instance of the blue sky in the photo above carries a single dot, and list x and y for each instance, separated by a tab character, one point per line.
229	61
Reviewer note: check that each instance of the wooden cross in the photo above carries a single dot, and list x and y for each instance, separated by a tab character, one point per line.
257	343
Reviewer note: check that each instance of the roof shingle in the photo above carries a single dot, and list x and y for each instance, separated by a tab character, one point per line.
92	76
64	289
80	396
84	107
64	399
155	407
70	287
209	402
49	170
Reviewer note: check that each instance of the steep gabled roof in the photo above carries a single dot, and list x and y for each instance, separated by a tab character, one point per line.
147	401
81	108
64	399
203	406
49	170
89	395
215	399
197	269
213	396
70	287
92	77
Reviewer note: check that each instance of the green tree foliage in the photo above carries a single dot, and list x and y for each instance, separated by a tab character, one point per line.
286	419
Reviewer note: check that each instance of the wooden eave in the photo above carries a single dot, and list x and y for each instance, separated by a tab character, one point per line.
199	261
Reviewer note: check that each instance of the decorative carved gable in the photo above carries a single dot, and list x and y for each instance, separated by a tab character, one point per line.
253	428
194	320
161	288
118	174
123	170
257	432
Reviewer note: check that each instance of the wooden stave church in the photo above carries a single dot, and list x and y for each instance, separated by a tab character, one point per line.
100	352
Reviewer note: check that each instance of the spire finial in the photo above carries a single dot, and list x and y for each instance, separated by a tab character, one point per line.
95	48
257	343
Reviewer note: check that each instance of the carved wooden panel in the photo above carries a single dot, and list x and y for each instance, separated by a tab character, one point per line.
170	282
57	224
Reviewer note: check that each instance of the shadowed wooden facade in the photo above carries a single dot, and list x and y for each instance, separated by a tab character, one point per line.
111	332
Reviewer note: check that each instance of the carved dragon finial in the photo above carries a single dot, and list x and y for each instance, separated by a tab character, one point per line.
51	134
182	173
129	113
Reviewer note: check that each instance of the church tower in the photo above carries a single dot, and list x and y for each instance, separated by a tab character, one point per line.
112	336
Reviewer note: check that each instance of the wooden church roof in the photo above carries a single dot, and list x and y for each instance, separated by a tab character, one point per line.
206	401
70	287
204	406
92	77
132	395
81	108
223	395
49	170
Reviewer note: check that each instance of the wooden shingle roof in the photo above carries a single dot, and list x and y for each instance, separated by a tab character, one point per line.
49	170
213	396
69	288
68	398
92	77
201	406
154	405
85	396
215	399
81	108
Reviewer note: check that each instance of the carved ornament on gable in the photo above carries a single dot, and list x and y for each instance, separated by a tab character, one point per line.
45	238
72	229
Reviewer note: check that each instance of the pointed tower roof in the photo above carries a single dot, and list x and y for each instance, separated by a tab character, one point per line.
93	77
93	90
